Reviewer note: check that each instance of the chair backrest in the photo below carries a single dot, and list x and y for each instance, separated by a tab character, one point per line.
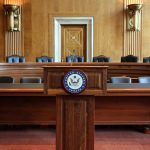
129	58
144	79
15	59
74	59
6	79
120	80
101	58
44	59
31	80
146	59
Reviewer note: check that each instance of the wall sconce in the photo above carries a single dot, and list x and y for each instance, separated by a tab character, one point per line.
13	17
134	17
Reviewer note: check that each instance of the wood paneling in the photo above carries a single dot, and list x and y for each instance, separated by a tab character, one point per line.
122	110
27	110
27	24
129	110
108	31
146	29
18	70
110	36
2	33
96	76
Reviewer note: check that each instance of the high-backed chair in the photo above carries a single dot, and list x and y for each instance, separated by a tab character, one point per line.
74	59
146	59
31	80
15	59
101	58
120	80
44	59
144	79
129	58
6	79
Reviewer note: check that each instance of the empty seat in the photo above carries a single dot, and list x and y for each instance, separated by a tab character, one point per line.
146	59
120	80
74	59
144	79
6	79
15	59
129	58
101	58
31	80
44	59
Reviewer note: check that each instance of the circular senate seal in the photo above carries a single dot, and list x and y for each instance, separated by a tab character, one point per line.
75	81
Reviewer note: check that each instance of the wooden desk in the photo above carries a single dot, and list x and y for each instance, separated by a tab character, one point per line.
126	105
133	70
19	70
25	104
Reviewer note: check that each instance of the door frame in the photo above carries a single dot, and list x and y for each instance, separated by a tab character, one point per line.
58	21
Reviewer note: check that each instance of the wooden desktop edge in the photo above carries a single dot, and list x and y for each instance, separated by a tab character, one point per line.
18	90
129	92
54	92
108	92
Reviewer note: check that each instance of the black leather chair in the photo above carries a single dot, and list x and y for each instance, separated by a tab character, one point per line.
146	59
144	79
6	79
129	58
15	59
31	80
74	59
120	80
44	59
101	58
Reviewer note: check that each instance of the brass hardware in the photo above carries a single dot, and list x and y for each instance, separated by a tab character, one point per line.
134	17
13	17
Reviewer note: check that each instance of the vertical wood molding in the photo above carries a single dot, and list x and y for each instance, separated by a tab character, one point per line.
13	40
132	39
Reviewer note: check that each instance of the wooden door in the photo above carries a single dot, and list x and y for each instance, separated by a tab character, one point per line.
73	40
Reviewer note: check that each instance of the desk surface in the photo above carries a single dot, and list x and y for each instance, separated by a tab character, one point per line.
125	89
21	86
128	86
133	107
21	89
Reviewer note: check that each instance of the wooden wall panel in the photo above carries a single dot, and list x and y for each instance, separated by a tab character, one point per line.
108	22
110	36
38	30
108	29
146	29
2	33
27	25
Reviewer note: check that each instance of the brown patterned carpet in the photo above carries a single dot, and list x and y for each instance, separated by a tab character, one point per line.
112	138
121	139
